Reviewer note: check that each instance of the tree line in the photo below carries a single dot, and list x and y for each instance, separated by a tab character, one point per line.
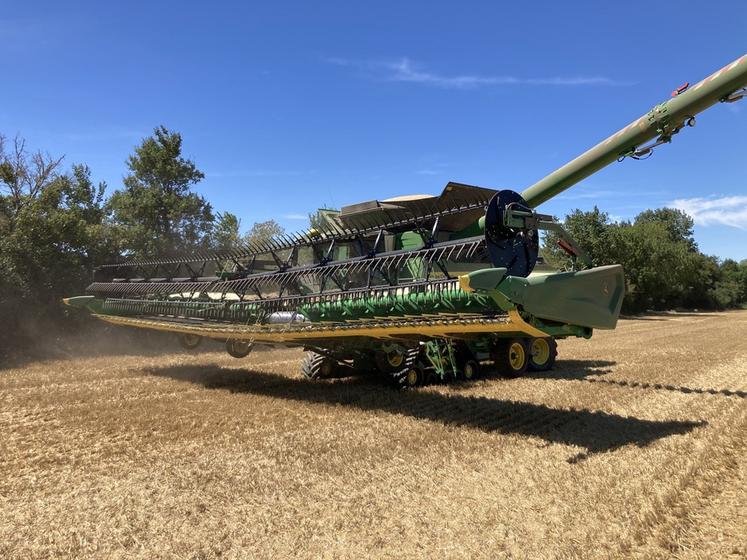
56	224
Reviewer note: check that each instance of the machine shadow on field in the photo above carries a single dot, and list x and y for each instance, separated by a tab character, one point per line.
573	369
668	387
580	370
597	432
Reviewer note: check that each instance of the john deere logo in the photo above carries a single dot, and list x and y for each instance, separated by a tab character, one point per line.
606	289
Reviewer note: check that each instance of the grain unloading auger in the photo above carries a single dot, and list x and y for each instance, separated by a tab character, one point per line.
414	287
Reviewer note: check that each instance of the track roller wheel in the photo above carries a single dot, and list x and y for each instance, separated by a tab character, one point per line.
470	370
542	353
512	357
469	367
389	361
189	341
411	373
317	366
238	348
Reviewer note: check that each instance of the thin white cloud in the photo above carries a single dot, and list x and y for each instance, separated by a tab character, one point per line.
726	210
295	217
404	70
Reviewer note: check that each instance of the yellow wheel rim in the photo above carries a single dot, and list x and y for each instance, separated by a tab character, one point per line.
469	371
394	359
412	377
516	355
540	351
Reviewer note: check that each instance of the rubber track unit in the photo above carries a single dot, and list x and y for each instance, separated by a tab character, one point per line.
399	376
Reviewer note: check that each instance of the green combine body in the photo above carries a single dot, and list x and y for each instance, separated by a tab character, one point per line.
415	288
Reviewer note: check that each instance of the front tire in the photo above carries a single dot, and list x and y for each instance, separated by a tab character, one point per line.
317	366
542	353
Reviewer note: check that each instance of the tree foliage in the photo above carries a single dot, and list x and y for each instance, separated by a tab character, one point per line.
264	231
226	233
678	225
591	229
51	233
156	214
663	267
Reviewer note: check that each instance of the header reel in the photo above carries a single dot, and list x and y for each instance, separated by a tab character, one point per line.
511	233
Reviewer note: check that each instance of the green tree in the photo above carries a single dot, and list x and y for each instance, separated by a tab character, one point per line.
58	236
591	230
226	234
156	214
678	224
743	281
23	177
264	231
51	234
658	271
727	289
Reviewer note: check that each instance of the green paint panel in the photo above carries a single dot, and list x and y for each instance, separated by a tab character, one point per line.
588	298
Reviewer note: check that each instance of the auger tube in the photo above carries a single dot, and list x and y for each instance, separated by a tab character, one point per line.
663	121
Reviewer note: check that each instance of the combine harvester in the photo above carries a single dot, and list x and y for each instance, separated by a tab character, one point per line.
417	288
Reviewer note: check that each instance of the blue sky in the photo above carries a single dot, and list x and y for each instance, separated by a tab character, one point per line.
287	106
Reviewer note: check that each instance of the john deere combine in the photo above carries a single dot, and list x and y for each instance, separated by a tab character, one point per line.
415	288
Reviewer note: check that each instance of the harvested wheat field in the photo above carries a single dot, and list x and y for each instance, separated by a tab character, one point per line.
634	446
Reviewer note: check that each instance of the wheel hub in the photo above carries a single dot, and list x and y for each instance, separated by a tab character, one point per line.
516	355
540	351
395	359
